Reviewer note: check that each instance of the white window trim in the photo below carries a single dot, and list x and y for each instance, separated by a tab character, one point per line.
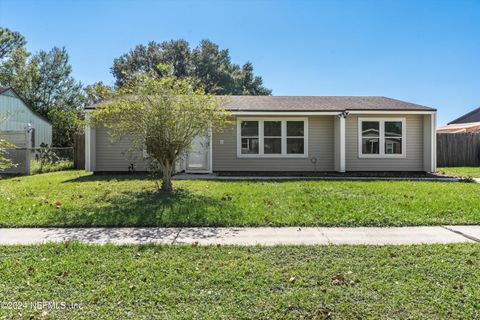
382	153
261	136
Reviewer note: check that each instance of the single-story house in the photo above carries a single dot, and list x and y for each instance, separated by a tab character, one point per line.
298	134
21	125
469	122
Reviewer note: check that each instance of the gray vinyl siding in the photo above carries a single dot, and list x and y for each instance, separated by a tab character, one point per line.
414	147
19	116
115	156
320	146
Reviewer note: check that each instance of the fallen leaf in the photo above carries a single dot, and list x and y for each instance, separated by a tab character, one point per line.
338	279
393	255
63	274
30	271
292	279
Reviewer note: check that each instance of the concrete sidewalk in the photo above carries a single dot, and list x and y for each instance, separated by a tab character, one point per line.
245	236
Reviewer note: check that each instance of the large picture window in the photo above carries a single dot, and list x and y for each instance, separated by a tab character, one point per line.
272	137
381	137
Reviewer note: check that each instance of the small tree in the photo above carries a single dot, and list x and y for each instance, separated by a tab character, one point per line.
163	116
5	162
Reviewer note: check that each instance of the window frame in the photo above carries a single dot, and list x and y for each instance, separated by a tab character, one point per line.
250	137
382	153
261	136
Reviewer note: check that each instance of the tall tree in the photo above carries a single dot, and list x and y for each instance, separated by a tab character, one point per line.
144	59
45	82
207	66
163	115
9	42
97	92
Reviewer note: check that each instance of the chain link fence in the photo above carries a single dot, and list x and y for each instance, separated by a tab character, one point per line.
44	160
39	160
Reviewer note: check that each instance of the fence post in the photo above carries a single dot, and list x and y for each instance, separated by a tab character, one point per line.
27	161
79	151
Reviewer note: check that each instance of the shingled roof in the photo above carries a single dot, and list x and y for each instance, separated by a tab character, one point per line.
314	104
3	89
319	103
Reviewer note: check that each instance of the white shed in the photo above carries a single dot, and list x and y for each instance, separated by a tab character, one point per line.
21	118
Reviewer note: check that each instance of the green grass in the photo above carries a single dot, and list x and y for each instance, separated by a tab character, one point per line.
61	165
473	172
76	198
188	282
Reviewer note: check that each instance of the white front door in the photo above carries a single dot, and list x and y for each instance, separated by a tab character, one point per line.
198	159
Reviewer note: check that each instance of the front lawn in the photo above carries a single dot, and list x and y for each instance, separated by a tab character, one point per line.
191	282
473	172
76	198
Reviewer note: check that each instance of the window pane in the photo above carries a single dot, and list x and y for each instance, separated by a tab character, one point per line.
370	146
295	129
393	146
272	128
249	145
370	128
272	145
249	128
393	128
295	146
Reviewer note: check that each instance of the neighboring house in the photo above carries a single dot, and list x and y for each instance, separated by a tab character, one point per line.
23	126
298	134
469	122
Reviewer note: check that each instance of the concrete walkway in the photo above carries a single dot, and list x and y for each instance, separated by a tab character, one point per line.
203	176
245	236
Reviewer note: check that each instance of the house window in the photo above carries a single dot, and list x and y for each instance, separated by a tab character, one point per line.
250	138
272	137
295	137
383	138
371	137
393	137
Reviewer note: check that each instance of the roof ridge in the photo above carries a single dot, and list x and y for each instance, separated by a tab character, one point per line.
465	115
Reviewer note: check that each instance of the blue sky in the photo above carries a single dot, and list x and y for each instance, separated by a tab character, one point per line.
427	52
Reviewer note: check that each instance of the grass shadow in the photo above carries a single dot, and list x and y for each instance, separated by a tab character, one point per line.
150	208
108	177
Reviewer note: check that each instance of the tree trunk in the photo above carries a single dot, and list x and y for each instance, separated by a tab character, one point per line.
167	170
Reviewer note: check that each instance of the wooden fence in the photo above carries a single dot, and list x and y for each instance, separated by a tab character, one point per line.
458	149
79	151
